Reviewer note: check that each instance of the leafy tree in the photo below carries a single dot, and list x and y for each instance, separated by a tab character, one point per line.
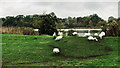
114	28
85	21
101	24
19	20
28	20
45	24
111	19
90	24
95	19
2	20
9	21
50	22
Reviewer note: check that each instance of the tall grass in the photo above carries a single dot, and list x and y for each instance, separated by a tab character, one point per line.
18	30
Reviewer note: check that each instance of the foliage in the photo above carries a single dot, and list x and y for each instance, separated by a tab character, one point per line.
49	23
95	19
114	28
45	23
36	21
28	31
111	19
17	30
90	23
86	21
70	33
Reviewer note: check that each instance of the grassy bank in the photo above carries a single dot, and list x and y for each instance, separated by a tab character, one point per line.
24	50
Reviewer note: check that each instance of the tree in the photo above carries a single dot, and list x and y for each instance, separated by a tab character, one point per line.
101	24
2	20
114	28
90	24
45	24
28	20
9	21
19	20
85	21
111	19
95	19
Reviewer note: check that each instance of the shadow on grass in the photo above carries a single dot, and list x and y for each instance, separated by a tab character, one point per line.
81	57
107	49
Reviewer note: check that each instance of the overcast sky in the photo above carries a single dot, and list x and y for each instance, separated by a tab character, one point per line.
104	9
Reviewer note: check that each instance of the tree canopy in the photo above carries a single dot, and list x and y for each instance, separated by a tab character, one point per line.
49	23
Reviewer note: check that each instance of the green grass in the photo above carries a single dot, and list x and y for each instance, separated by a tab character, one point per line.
24	50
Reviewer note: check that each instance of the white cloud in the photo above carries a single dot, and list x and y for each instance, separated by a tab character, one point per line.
59	0
62	9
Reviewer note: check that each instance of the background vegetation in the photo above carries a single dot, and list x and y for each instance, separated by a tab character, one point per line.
18	30
49	23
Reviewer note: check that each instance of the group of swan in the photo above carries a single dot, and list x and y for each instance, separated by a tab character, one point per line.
96	34
58	37
92	38
56	50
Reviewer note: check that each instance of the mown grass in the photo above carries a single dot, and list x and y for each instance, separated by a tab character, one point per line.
24	50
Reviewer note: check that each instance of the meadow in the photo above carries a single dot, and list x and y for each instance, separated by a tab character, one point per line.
24	50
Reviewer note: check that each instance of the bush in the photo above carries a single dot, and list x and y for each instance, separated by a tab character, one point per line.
114	29
36	33
28	31
70	33
17	30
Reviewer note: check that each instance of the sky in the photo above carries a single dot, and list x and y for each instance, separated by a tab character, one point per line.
62	9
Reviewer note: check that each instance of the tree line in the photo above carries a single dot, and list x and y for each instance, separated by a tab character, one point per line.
49	23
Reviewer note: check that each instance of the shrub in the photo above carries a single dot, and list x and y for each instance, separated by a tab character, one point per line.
70	32
17	30
28	31
114	29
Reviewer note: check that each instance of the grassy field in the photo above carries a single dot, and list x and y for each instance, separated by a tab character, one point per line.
24	50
